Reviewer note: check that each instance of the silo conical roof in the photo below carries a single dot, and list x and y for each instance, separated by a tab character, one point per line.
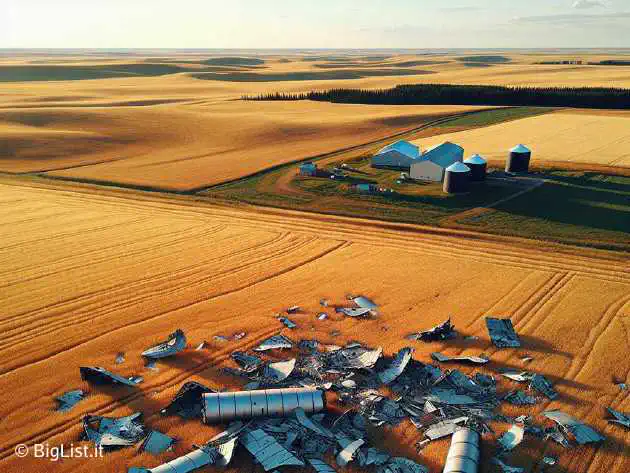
520	149
475	159
458	167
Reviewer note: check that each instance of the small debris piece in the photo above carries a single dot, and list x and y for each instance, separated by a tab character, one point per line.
278	371
397	366
156	442
507	468
502	333
622	386
320	466
293	309
239	335
444	428
322	316
619	418
221	338
364	303
551	461
519	398
247	362
526	358
111	432
277	341
352	312
519	376
175	343
187	403
98	375
288	323
69	399
401	465
323	302
202	346
543	386
512	437
151	365
346	455
311	424
267	451
120	358
472	359
443	331
583	433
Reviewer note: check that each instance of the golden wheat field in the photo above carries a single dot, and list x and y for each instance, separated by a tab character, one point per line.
583	137
87	273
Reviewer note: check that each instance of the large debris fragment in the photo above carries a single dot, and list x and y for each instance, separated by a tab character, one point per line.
111	432
346	455
443	331
320	466
69	399
247	362
512	437
267	451
463	456
583	433
471	359
543	386
227	406
502	333
188	401
364	303
275	342
444	428
397	366
619	418
278	371
156	442
175	343
287	322
98	375
355	312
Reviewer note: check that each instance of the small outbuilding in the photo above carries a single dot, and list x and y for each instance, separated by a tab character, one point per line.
366	188
399	155
456	178
478	167
308	169
435	160
518	159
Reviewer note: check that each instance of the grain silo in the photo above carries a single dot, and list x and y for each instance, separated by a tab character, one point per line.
518	159
456	178
478	167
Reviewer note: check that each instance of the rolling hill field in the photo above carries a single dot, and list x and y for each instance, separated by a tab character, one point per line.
88	273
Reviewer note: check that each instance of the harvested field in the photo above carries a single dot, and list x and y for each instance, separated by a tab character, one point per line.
577	137
87	273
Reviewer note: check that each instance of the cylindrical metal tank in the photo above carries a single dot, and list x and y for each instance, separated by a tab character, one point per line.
463	456
225	407
518	159
456	178
478	167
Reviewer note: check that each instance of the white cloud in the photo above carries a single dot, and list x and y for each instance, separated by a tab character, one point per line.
574	19
585	4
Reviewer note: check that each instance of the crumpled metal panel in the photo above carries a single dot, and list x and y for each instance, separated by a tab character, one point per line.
277	341
156	442
502	333
320	466
278	371
69	399
98	375
582	432
471	359
397	366
345	456
267	451
175	343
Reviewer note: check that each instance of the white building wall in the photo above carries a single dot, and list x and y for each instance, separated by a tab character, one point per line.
426	171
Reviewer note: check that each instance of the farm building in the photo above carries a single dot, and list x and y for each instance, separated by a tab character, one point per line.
400	155
456	178
478	167
367	188
431	166
308	169
518	159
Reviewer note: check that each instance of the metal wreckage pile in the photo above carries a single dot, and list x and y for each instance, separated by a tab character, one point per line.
281	418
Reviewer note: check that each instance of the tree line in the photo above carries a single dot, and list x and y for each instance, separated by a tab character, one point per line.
449	94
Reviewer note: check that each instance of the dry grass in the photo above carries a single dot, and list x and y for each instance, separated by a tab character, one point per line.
582	137
87	273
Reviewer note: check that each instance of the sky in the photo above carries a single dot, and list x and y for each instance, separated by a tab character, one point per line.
314	23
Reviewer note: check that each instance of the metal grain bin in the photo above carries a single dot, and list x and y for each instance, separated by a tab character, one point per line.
478	167
463	456
456	178
228	406
518	159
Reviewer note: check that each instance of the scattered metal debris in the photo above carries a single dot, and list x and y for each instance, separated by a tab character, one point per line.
443	331
69	399
202	346
320	466
322	316
151	365
472	359
288	323
275	342
551	461
187	403
543	386
221	338
156	442
502	333
364	302
519	376
401	465
512	437
278	371
583	433
507	468
110	432
98	375
248	363
354	312
120	358
619	418
175	343
323	302
526	358
346	455
293	309
239	335
519	398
